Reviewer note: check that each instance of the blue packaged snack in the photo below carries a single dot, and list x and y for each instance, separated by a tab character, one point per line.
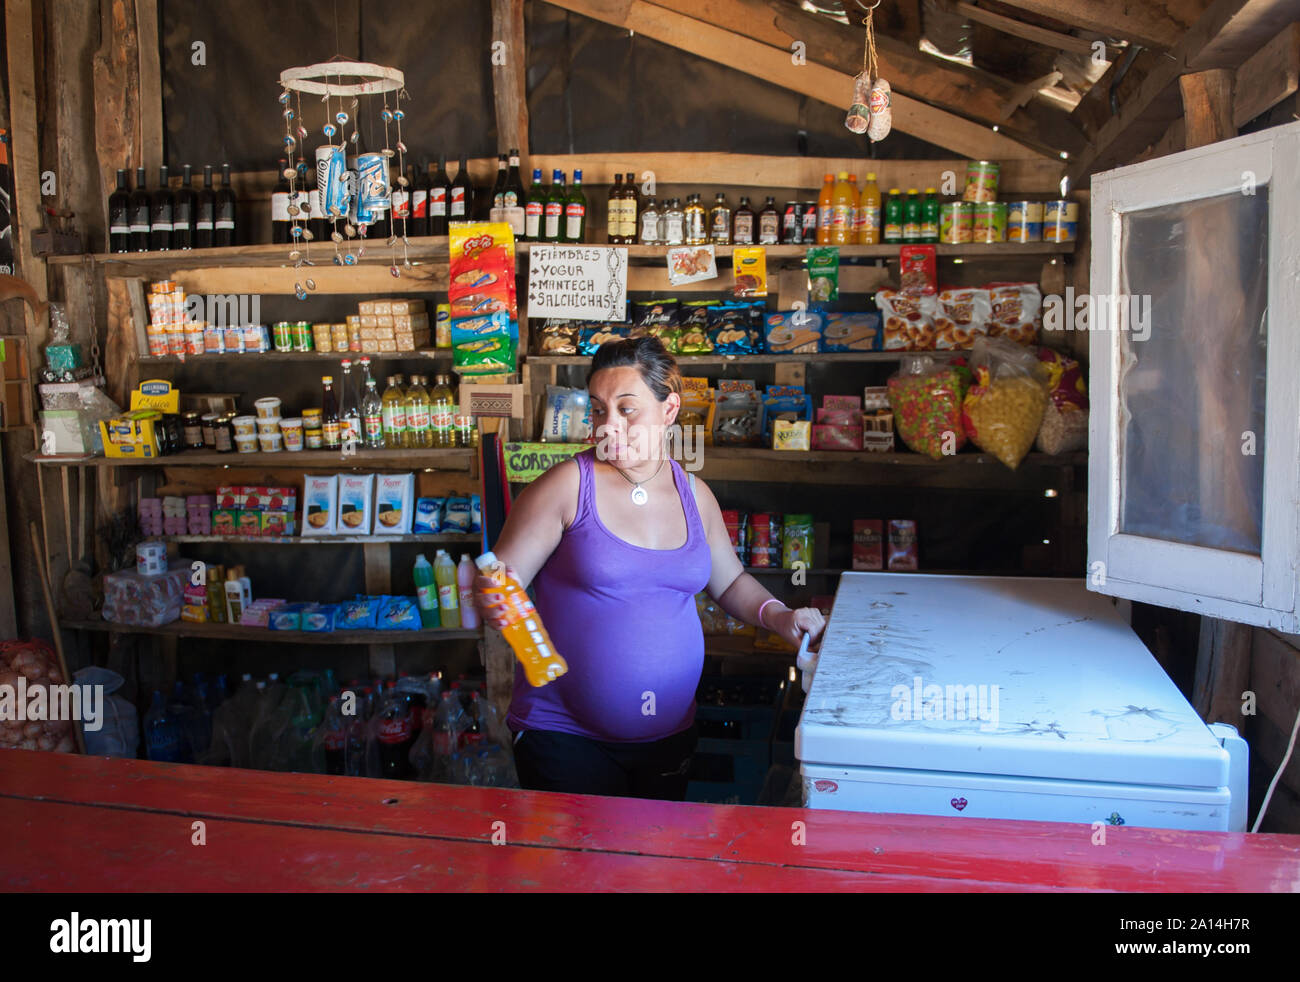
475	513
596	335
428	515
736	328
851	331
286	618
789	402
456	516
319	617
399	614
793	332
357	615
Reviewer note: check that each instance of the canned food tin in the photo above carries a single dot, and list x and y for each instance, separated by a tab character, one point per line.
792	224
321	334
332	180
990	224
151	558
956	221
1060	221
302	337
982	180
282	332
354	337
1025	221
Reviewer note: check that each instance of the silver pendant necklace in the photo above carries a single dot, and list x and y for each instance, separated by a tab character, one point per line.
639	494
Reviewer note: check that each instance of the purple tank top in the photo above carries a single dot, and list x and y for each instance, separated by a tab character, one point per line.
624	619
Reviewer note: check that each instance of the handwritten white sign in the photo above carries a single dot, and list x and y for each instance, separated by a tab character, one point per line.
577	282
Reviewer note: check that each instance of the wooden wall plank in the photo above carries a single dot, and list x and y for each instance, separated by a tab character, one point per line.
150	58
1151	23
1268	76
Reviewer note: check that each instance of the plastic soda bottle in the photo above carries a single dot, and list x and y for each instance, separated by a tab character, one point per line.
930	216
465	573
444	574
912	217
843	205
893	224
825	211
525	632
868	223
426	592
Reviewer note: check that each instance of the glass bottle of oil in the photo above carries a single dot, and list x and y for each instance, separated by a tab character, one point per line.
697	228
417	413
396	435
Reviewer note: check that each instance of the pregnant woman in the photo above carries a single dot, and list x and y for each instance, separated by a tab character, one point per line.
617	541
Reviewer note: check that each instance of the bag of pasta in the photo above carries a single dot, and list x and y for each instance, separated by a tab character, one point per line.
1004	408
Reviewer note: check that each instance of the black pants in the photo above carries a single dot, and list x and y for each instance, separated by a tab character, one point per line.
548	760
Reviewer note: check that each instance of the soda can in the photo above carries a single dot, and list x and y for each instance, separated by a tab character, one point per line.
809	209
283	334
302	339
332	181
372	186
792	223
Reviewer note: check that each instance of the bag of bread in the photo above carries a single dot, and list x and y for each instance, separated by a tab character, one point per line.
1065	420
1004	408
907	320
962	316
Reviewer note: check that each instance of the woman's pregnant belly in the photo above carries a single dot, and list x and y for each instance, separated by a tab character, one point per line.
634	668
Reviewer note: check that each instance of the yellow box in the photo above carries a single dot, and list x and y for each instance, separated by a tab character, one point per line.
365	308
407	306
131	435
791	434
368	320
384	307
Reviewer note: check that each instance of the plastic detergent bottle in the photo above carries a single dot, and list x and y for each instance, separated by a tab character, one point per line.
426	592
444	573
525	632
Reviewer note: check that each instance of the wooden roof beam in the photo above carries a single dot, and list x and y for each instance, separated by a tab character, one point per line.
1150	23
1226	36
1026	32
777	66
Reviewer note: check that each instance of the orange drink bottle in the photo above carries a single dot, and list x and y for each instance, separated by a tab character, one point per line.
524	633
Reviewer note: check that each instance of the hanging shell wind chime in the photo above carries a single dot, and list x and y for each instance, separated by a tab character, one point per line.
870	112
351	195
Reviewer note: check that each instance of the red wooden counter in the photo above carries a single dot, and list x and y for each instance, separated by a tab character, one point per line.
81	824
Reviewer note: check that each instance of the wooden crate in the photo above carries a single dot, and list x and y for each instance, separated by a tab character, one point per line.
16	392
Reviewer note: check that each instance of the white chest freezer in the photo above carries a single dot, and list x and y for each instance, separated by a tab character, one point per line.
1006	697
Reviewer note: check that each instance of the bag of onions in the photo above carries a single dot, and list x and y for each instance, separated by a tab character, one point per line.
37	663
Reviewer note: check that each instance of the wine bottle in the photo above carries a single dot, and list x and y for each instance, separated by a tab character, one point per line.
119	216
205	211
223	232
183	212
140	207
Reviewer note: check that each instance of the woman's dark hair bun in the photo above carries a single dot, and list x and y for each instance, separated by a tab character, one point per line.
648	356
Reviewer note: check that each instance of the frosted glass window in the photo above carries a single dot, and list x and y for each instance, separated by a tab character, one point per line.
1191	394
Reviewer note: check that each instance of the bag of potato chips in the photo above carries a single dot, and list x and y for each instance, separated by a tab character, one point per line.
1004	408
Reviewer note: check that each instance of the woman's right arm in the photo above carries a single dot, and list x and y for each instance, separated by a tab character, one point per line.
536	524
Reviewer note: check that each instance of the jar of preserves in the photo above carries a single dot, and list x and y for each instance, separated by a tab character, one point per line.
193	431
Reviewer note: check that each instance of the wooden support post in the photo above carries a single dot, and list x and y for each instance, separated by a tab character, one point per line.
499	669
510	74
1222	670
1207	106
379	582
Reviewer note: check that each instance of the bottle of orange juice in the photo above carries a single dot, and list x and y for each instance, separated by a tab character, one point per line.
824	210
525	632
843	204
869	213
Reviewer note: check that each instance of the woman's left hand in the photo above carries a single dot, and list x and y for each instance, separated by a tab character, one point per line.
791	625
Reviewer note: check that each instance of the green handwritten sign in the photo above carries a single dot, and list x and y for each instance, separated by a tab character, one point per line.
526	462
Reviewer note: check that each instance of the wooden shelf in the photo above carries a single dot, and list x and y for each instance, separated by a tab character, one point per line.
467	538
896	459
425	249
235	632
456	459
434	249
963	471
830	356
309	356
780	254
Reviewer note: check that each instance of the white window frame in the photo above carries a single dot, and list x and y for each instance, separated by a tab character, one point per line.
1215	582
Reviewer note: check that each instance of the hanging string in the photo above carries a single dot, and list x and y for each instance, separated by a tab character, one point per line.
869	66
